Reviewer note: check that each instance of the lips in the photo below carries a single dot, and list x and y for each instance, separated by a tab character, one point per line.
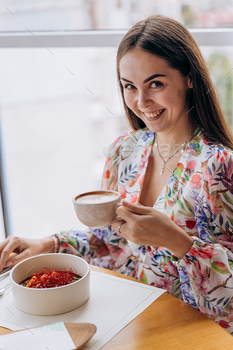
155	115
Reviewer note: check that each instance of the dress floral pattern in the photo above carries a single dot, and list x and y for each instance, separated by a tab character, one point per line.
198	197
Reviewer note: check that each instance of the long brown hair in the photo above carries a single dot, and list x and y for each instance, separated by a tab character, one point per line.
172	41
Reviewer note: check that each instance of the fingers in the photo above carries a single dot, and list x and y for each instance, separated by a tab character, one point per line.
130	212
4	252
124	214
124	229
136	208
117	225
18	257
117	219
6	248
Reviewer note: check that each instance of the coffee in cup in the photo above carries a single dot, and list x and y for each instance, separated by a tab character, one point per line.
97	209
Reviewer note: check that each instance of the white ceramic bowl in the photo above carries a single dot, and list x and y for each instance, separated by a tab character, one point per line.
50	301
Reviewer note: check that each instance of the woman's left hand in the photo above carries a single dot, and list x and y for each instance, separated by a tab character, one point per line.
147	226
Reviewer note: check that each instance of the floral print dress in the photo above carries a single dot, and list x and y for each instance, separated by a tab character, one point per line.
198	197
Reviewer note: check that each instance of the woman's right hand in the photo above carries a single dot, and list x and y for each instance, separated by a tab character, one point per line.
23	249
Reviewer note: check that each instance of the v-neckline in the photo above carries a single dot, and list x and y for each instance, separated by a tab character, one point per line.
197	130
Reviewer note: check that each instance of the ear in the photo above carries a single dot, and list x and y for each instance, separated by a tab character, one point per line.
190	82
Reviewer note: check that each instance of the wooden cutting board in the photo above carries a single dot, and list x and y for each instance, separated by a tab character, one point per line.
80	333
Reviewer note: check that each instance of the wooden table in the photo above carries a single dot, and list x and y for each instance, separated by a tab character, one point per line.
167	323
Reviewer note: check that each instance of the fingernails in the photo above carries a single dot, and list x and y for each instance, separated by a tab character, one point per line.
9	263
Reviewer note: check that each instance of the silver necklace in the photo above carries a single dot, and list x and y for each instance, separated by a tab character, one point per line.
183	146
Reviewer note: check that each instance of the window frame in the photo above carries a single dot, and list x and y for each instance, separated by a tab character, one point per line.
101	38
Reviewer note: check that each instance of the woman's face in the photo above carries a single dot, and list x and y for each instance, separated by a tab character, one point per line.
154	91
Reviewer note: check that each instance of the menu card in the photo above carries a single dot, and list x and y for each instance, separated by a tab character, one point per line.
53	337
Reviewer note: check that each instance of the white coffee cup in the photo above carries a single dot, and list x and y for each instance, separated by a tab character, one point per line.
97	209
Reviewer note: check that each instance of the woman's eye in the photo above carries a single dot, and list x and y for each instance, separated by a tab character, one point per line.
156	84
129	86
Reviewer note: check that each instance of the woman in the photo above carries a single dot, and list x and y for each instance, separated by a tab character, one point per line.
174	170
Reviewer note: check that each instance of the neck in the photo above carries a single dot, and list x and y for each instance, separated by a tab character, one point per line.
175	136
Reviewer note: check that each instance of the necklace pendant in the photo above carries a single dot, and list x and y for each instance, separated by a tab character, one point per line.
162	169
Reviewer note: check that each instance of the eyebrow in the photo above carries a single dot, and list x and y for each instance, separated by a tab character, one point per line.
147	79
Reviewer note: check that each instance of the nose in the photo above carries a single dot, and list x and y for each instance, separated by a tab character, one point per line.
144	100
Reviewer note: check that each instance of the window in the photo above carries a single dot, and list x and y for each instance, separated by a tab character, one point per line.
59	100
55	15
59	112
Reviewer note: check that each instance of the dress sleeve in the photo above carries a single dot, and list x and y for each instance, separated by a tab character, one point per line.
209	262
101	247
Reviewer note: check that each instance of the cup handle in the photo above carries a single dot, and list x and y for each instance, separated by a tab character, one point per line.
117	218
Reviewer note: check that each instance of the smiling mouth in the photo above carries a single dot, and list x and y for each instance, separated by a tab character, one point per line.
154	114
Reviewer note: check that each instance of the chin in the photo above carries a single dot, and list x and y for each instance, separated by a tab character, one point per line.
155	128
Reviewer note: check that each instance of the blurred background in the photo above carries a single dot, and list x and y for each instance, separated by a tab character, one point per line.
110	14
60	107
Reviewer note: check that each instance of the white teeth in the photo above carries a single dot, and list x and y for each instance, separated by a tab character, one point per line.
155	114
